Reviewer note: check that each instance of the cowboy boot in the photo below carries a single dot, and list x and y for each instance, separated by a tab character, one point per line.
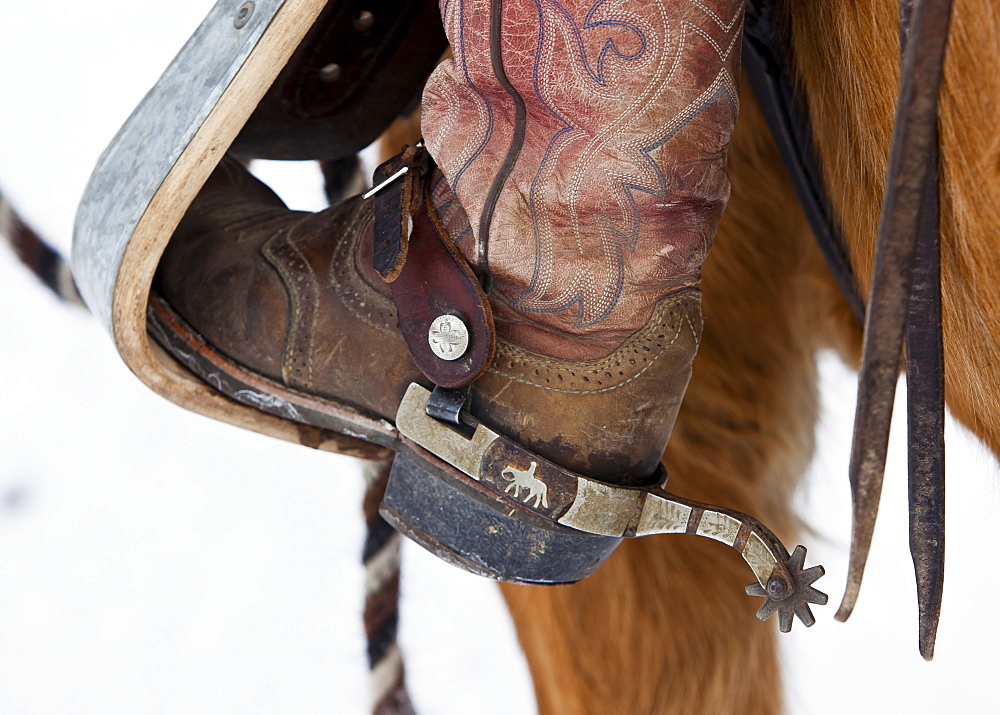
537	289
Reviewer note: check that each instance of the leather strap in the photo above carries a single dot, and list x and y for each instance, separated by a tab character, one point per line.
363	63
908	281
398	194
357	37
925	398
429	276
767	64
436	280
925	420
906	229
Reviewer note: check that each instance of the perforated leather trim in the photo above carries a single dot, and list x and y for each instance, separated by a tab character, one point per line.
635	356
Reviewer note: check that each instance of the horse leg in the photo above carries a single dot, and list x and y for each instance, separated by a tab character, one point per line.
664	626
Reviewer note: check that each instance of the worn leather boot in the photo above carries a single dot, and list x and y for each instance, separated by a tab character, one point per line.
519	324
284	311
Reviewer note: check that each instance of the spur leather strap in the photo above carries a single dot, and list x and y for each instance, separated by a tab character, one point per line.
433	287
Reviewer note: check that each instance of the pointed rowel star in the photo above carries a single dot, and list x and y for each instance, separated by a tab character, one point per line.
797	602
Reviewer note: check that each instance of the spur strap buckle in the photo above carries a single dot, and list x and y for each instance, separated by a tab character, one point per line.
418	162
374	190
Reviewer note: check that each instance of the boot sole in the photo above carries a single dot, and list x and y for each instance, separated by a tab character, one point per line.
459	519
322	423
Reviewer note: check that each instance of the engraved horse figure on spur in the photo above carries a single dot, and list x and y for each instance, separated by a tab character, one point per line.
519	478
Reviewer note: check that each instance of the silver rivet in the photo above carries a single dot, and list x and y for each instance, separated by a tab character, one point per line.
330	72
777	588
448	337
243	14
363	21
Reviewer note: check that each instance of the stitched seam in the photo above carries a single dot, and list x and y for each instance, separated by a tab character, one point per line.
680	325
272	254
344	254
602	389
314	312
603	366
515	353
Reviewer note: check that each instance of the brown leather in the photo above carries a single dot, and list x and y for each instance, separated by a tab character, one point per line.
583	152
436	281
612	201
226	272
398	197
294	297
905	302
362	64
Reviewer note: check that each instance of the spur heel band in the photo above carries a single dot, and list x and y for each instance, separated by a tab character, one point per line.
457	524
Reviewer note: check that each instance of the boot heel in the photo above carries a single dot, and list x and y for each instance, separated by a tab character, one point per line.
449	518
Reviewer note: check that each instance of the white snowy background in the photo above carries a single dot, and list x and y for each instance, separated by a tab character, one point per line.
154	561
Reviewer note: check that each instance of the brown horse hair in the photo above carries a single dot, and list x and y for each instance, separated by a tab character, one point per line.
664	627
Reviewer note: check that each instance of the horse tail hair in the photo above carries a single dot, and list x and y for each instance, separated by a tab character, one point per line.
37	255
387	677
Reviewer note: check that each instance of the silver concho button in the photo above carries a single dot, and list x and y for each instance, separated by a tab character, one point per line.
448	337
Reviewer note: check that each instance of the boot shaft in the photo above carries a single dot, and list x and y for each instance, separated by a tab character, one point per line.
587	144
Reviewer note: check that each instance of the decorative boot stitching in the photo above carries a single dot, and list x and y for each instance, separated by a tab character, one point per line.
303	291
605	157
365	303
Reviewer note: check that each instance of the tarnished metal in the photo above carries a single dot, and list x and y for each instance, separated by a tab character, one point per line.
601	508
762	556
525	479
243	14
788	602
720	527
663	516
147	147
525	487
447	404
461	452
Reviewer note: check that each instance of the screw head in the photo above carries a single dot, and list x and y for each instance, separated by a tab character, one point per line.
363	21
448	337
330	72
243	14
777	588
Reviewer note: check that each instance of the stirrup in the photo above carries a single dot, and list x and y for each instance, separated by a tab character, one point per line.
155	166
